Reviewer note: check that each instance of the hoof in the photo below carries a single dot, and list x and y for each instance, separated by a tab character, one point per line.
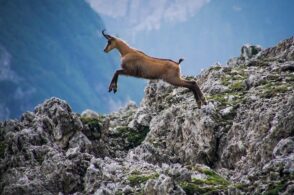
113	87
199	104
204	101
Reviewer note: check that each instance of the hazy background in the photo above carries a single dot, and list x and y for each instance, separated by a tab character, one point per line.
54	47
202	31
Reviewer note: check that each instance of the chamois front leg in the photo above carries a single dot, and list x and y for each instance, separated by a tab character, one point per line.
113	83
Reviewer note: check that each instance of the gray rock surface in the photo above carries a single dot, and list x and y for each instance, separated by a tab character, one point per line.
242	142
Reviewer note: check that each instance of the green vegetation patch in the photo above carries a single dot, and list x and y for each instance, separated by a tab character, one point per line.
234	79
93	123
279	186
216	68
275	188
240	186
137	178
228	98
289	78
214	178
211	184
225	80
119	192
191	188
238	86
270	89
236	73
221	98
134	137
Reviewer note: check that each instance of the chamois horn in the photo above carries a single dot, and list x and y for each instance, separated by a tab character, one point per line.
105	35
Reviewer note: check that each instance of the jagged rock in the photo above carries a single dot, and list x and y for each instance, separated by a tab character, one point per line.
162	185
187	138
240	143
249	51
284	147
284	51
287	66
64	122
248	54
79	140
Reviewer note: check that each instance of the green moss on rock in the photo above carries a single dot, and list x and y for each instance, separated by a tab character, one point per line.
138	178
210	185
270	90
92	122
240	186
235	78
134	137
225	80
238	86
289	78
225	100
191	188
214	178
119	192
94	127
275	188
221	98
216	68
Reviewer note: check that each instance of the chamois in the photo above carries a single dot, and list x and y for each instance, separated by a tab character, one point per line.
137	64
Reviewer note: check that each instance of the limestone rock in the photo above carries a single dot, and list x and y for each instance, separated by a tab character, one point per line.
241	142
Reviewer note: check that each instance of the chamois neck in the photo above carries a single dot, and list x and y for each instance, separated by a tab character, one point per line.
123	48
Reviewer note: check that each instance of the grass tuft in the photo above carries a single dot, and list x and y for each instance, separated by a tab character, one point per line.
134	137
137	178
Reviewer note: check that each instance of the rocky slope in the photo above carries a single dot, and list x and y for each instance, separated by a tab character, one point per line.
242	142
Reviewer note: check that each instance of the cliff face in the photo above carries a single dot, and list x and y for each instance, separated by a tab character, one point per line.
242	142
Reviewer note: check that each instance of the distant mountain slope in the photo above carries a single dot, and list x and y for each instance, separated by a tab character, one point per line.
52	48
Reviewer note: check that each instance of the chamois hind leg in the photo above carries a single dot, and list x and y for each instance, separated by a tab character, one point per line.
201	96
177	81
113	83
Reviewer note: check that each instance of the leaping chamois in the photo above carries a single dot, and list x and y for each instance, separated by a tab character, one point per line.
137	64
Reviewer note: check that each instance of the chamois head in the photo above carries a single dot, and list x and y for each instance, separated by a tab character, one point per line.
111	44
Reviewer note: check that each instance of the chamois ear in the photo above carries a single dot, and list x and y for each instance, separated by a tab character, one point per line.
106	35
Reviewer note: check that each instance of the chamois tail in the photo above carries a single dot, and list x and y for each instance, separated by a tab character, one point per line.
180	60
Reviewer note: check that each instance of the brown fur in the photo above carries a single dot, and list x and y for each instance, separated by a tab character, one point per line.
137	64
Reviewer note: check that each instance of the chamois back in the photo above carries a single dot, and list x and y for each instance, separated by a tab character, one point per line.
163	59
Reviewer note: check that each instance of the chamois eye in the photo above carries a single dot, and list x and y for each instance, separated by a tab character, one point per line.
109	42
